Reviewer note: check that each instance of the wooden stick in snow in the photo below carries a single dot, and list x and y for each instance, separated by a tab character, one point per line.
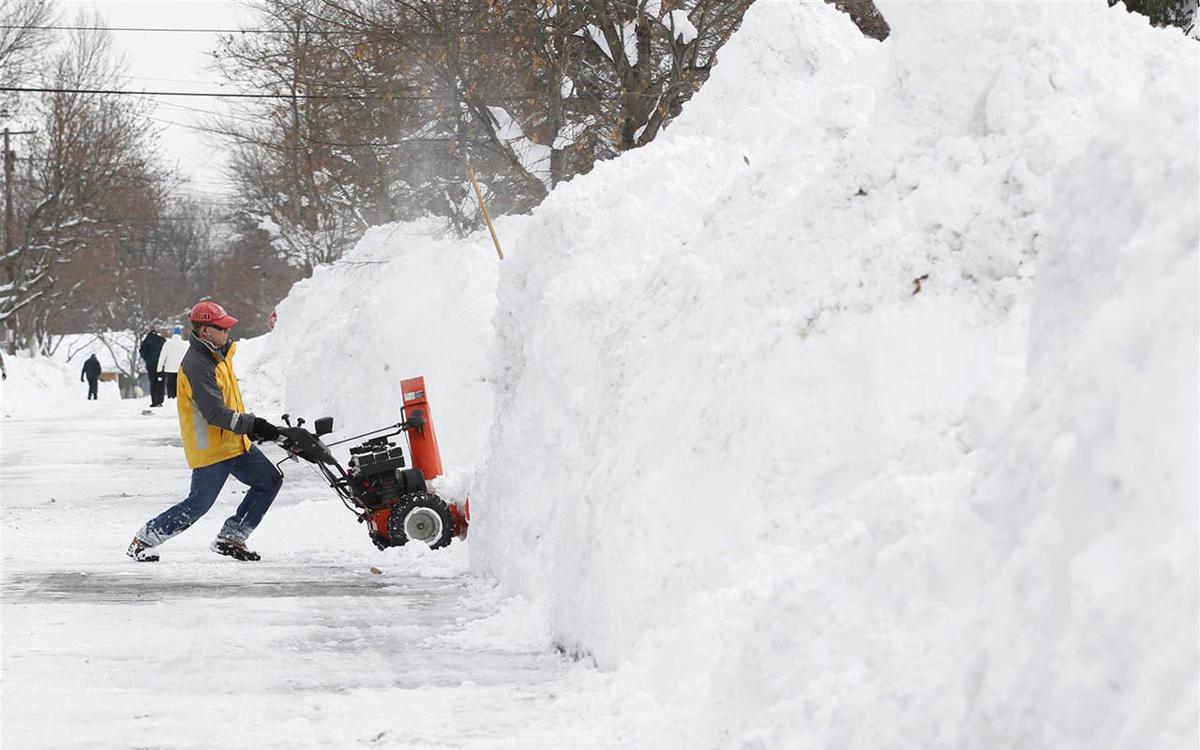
483	207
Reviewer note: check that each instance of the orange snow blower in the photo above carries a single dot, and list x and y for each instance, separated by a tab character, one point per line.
382	491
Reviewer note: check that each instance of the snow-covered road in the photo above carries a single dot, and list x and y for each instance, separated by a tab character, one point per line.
308	648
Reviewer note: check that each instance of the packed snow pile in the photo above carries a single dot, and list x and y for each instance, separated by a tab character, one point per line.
405	302
766	433
1088	502
857	410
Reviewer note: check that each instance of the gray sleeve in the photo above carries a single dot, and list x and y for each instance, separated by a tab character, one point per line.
206	395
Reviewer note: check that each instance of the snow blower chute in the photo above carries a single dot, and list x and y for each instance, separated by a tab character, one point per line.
392	498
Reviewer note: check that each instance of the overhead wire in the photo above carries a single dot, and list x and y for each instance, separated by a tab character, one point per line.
284	97
211	94
212	113
315	32
168	80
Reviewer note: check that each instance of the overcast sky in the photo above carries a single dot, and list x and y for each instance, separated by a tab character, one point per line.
173	62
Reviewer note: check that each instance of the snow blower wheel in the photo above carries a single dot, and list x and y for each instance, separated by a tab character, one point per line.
421	517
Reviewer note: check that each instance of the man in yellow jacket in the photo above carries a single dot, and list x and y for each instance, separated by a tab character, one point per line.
216	431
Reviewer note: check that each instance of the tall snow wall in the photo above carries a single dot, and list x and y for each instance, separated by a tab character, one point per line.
405	302
859	410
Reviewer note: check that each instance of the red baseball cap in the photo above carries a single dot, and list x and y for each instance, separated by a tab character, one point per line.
210	313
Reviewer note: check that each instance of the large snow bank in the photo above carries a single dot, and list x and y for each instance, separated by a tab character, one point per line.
1089	627
859	409
405	302
765	434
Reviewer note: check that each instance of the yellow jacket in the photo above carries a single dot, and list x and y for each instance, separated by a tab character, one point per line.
213	422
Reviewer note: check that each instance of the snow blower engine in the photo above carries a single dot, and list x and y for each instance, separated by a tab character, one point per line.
392	498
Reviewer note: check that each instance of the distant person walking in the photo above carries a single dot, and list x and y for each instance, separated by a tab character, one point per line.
216	431
91	371
170	359
150	350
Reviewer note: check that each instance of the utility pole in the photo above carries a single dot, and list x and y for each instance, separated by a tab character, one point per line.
10	159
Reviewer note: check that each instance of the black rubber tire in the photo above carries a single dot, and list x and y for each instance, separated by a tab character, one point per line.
443	529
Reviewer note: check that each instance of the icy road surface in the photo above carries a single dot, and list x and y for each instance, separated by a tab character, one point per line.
307	648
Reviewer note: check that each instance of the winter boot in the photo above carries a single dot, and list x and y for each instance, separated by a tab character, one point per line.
141	551
236	550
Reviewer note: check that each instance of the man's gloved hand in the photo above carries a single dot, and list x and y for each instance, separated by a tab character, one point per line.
264	430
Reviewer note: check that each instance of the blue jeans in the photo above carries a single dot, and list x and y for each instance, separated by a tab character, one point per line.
251	468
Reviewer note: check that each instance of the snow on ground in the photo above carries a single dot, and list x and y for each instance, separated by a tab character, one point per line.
308	648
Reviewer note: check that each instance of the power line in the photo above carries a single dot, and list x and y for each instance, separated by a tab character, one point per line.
197	128
213	112
130	221
168	80
217	95
316	32
318	97
165	30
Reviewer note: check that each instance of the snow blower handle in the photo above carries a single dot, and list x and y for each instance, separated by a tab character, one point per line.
298	441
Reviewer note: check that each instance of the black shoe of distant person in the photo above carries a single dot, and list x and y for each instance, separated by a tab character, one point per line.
236	550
